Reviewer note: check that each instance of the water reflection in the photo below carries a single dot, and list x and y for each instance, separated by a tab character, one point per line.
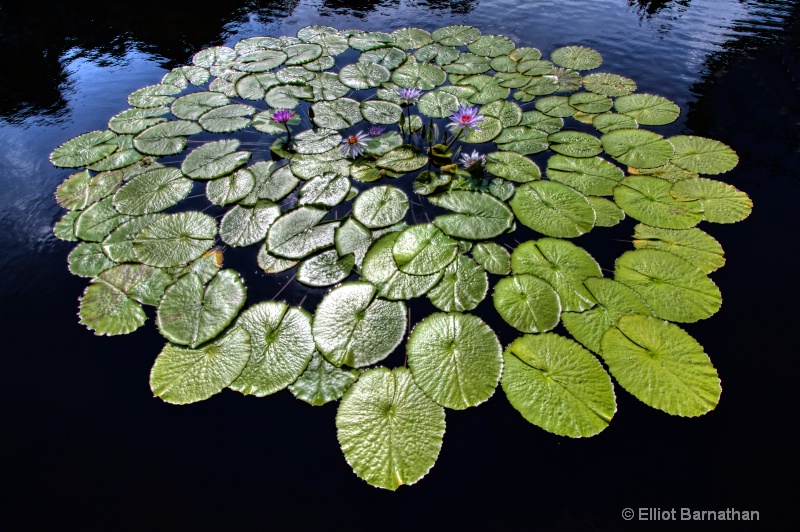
648	8
356	8
458	8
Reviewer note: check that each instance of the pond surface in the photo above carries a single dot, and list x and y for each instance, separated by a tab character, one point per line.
89	443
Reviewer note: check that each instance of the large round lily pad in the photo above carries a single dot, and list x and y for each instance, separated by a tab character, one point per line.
553	209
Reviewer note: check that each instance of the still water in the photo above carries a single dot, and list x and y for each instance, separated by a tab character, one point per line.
90	443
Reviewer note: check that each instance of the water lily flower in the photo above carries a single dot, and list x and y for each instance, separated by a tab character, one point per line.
465	119
281	116
354	145
376	131
409	96
472	160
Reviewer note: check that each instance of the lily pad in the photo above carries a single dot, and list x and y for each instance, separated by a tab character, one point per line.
352	237
133	121
97	221
227	118
337	114
380	268
181	375
231	188
194	105
296	234
88	260
674	288
175	239
438	104
575	144
462	286
593	176
648	200
118	245
325	269
191	314
490	128
355	328
722	203
153	95
422	76
558	386
553	209
326	86
141	283
648	109
380	206
214	55
607	122
693	245
662	366
609	84
83	149
702	155
527	303
390	58
403	159
577	57
456	35
523	140
608	214
389	430
509	113
363	75
281	347
106	310
491	46
214	159
80	190
563	265
476	215
379	112
411	38
167	138
288	96
152	192
492	257
271	263
637	147
589	102
327	190
423	250
312	142
322	382
243	226
614	300
437	53
182	76
468	64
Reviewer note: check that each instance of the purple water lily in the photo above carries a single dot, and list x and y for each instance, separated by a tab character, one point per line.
409	96
472	160
465	119
376	131
281	116
354	145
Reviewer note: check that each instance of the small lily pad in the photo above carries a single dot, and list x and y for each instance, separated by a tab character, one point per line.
593	176
462	286
423	250
322	382
325	269
363	75
380	269
607	122
553	209
380	206
379	112
492	257
422	76
403	159
227	118
97	221
477	215
648	109
609	84
337	114
438	104
83	149
243	226
133	121
702	155
575	144
577	57
214	159
589	102
491	46
411	38
167	138
527	303
231	188
456	35
106	310
80	190
297	233
194	105
88	260
312	142
722	203
608	214
153	95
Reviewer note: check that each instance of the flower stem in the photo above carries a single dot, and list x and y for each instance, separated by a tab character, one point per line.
455	137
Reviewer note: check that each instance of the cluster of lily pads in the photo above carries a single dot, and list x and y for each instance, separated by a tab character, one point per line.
457	115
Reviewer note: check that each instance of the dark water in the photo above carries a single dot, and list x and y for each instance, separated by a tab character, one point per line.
85	442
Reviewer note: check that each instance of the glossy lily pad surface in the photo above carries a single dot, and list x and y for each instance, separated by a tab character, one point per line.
364	170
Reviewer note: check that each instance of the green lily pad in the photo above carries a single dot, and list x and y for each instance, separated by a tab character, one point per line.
702	155
380	112
88	260
206	266
337	114
214	55
326	86
491	46
322	382
141	283
423	250
298	233
352	326
492	257
380	206
501	189
558	386
384	144
523	140
668	172
693	245
575	144
509	113
593	176
662	366
327	190
577	57
153	95
722	203
118	245
411	38
175	239
312	142
477	215
589	102
674	288
467	64
325	269
243	226
332	161
133	121
152	192
194	105
260	60
363	75
403	159
271	263
390	58
106	310
83	149
648	200
563	265
462	287
438	104
648	109
331	44
191	314
380	269
288	96
214	159
97	221
490	128
609	84
527	303
422	76
227	118
181	375
389	430
553	209
437	53
608	214
637	147
230	188
119	159
488	89
607	122
365	41
614	300
352	237
503	64
182	76
80	190
512	166
456	35
167	138
64	229
536	67
281	347
294	75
